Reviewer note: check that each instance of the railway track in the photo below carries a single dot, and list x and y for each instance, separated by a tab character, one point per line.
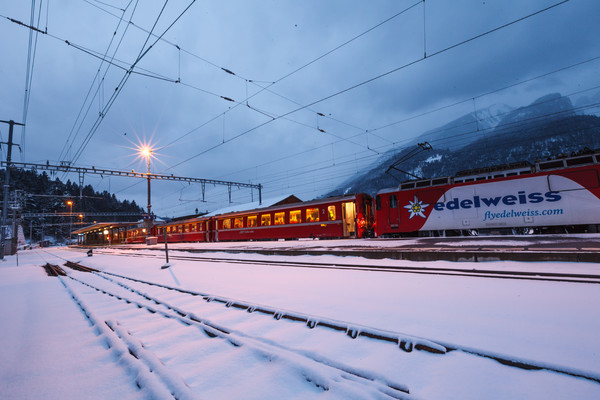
447	271
135	315
154	307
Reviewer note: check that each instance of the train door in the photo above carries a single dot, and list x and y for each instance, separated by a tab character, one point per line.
349	219
391	208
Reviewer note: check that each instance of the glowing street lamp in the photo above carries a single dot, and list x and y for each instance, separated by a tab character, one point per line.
70	204
146	152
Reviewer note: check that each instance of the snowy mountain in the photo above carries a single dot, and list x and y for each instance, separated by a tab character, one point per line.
465	129
496	135
550	107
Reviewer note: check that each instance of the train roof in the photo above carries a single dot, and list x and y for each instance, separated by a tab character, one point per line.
243	209
271	202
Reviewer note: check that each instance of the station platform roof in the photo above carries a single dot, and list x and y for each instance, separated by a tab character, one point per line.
100	226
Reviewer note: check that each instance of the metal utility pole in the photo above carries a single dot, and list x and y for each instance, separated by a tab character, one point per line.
11	125
149	220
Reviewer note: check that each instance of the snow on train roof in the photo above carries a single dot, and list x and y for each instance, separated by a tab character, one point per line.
270	202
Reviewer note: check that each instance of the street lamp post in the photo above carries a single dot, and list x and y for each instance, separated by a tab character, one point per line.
80	223
146	152
70	204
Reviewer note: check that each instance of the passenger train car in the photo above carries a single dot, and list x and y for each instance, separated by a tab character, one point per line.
188	230
562	192
336	217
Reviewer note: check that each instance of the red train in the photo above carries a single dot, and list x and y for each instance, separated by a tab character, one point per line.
561	193
336	217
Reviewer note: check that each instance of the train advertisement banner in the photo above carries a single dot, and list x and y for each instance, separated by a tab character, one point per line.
534	201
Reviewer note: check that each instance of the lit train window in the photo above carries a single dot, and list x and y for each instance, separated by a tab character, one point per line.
238	222
279	218
265	220
312	214
252	221
331	213
226	224
295	216
186	228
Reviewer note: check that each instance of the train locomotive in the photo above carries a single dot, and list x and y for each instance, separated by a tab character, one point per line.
552	195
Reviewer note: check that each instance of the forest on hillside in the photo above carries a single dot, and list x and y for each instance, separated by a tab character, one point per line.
32	192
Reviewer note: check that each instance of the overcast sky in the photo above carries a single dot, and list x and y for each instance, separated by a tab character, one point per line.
360	64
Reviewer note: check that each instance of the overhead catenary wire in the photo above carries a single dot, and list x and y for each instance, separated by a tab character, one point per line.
395	143
379	76
31	53
245	101
126	77
103	60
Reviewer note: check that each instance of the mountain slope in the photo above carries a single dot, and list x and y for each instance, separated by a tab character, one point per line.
546	127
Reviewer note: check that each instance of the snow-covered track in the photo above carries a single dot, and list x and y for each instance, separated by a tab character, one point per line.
54	270
151	374
403	341
310	365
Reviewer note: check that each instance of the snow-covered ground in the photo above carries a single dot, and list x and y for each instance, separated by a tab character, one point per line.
52	350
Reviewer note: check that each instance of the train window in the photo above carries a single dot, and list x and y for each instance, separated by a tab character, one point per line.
312	214
407	185
265	220
580	161
423	183
179	228
238	222
252	221
552	164
186	228
481	178
439	181
227	223
200	226
393	201
279	218
331	213
378	202
295	217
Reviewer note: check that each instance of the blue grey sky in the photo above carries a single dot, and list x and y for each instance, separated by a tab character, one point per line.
313	83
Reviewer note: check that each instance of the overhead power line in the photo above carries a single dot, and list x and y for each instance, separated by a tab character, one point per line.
404	66
124	80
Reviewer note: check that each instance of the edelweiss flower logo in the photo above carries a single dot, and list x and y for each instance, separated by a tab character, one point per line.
416	208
